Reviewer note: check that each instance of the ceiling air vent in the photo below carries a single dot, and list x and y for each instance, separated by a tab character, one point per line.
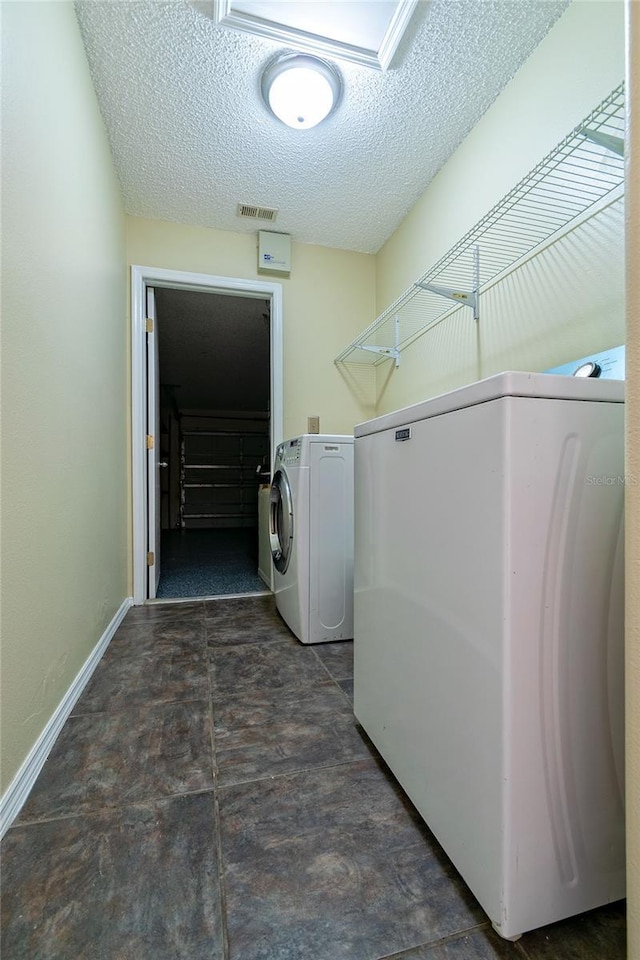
257	213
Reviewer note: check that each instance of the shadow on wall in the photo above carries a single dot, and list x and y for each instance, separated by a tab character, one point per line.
566	302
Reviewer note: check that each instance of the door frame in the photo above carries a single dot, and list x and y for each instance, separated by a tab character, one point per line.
141	278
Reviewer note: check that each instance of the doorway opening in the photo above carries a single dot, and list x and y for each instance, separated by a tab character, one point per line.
207	390
214	398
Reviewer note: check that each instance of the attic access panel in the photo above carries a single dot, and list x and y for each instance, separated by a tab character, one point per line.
366	34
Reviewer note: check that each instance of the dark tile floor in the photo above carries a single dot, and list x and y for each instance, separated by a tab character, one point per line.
211	798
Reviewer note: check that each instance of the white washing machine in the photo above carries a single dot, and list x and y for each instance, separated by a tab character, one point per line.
489	632
311	534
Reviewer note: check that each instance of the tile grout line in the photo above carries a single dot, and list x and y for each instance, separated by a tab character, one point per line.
217	826
346	695
335	679
439	942
106	808
142	705
271	777
520	947
320	660
250	643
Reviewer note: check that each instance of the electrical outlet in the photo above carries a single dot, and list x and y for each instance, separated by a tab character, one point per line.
313	424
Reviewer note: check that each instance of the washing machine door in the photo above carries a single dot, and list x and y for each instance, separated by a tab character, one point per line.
280	521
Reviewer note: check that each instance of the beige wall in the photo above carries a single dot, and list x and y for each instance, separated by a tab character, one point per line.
545	314
64	548
327	299
632	544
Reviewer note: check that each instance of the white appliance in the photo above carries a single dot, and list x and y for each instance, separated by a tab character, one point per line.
489	632
264	544
311	533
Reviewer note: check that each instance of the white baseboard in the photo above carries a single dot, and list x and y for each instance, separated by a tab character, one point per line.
18	790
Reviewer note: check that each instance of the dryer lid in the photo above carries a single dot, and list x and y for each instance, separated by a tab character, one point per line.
508	384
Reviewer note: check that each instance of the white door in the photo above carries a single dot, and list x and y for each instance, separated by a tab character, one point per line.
153	448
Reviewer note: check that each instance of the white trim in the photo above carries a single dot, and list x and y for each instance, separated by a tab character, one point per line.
222	12
141	277
18	790
395	33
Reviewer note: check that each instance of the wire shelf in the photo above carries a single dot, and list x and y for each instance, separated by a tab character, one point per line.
580	175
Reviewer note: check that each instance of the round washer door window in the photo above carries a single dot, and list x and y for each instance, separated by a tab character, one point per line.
280	521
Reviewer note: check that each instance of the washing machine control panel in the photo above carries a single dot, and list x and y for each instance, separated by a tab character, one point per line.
289	452
608	365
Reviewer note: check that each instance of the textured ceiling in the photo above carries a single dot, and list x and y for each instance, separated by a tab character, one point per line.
191	137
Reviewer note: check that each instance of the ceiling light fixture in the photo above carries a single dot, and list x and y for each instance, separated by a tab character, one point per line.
300	90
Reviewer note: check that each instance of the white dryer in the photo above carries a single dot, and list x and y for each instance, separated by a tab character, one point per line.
311	536
489	632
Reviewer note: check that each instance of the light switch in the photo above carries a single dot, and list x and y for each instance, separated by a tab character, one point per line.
313	424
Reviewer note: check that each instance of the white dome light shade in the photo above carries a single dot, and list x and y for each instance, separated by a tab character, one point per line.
300	97
300	90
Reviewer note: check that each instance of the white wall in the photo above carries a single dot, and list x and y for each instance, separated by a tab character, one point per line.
566	303
64	501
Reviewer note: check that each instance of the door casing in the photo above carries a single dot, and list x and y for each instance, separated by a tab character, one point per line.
141	278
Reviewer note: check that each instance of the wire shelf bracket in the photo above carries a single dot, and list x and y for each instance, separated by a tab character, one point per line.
469	298
387	352
615	144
